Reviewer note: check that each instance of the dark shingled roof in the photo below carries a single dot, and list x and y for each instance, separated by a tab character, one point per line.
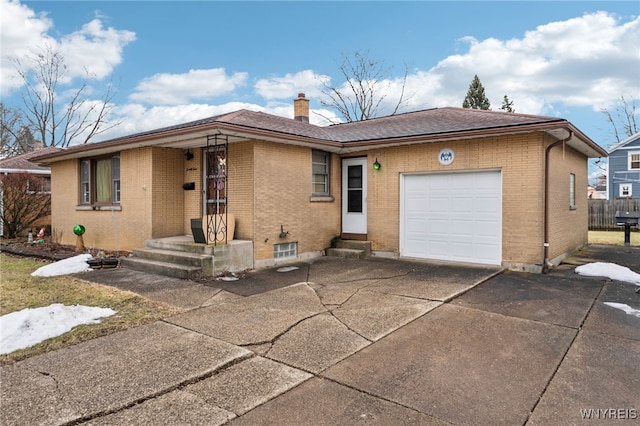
431	122
426	122
447	122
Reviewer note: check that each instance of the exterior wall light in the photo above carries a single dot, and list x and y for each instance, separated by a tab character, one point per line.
376	165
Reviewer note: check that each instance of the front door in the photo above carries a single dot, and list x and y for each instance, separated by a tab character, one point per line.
354	196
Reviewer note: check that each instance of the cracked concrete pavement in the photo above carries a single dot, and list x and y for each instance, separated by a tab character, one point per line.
340	341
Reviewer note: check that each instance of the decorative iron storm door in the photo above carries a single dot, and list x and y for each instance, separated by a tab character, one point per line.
216	189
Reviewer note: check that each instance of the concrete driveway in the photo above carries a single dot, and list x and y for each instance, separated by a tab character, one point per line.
342	342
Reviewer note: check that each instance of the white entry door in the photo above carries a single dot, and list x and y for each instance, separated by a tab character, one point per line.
452	216
354	196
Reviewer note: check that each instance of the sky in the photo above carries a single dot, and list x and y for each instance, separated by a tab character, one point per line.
176	61
28	327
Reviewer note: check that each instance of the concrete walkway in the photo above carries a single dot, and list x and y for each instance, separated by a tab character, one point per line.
339	342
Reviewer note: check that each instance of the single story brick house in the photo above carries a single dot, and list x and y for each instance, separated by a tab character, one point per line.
446	184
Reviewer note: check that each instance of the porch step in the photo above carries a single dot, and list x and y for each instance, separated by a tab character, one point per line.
161	268
181	244
176	257
181	257
350	249
346	253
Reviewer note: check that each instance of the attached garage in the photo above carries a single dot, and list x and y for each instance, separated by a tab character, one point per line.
452	216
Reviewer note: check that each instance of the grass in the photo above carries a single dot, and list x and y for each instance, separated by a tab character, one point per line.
613	238
19	290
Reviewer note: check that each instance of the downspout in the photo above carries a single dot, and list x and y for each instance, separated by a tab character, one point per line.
546	264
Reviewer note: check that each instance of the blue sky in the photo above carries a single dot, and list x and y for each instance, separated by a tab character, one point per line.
179	61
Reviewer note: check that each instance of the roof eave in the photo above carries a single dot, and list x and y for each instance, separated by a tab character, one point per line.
559	131
193	137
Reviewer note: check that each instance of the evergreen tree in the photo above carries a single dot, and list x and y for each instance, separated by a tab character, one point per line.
476	99
507	105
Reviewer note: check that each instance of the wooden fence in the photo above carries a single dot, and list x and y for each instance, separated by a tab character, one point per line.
602	213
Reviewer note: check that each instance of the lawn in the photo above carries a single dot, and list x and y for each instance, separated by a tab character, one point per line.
613	237
20	290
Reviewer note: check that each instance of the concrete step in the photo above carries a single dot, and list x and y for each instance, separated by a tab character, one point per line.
346	253
171	256
161	268
179	245
365	246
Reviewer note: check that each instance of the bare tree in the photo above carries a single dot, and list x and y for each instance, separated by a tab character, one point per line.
15	136
623	118
25	199
57	119
366	84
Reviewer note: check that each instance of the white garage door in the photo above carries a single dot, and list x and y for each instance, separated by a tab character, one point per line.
452	216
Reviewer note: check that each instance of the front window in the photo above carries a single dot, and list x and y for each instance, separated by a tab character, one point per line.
320	172
634	161
100	180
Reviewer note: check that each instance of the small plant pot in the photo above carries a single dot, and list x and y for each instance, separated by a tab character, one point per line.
95	263
109	262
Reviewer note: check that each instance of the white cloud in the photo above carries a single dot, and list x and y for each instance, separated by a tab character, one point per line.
175	89
585	61
22	28
290	85
92	49
555	66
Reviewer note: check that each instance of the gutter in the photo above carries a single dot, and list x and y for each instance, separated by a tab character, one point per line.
5	171
546	264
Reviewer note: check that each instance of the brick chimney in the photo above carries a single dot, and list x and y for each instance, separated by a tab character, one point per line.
301	108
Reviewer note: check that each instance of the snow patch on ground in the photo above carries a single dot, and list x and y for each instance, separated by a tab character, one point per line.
626	308
67	266
28	327
609	270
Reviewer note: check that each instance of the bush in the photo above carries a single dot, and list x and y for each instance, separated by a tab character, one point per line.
24	202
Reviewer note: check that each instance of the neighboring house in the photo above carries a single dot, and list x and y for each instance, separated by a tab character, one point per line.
22	164
624	168
447	184
594	193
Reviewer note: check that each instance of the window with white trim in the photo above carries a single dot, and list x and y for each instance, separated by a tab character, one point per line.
572	191
320	172
100	181
625	190
634	160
